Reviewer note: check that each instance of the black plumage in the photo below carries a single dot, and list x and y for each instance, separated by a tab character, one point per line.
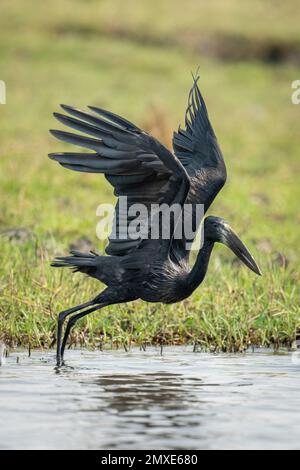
139	167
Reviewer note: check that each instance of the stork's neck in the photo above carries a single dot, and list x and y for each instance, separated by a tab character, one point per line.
198	272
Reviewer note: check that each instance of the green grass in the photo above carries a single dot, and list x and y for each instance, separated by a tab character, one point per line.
134	63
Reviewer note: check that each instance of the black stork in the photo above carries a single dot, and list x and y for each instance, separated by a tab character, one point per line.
139	167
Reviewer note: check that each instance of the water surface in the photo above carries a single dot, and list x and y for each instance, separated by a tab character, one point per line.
141	400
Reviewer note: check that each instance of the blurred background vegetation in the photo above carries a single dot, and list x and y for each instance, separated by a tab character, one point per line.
135	58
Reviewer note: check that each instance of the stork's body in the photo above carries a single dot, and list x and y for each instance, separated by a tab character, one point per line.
143	170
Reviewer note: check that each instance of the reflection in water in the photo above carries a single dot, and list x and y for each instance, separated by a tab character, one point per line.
141	392
154	404
183	400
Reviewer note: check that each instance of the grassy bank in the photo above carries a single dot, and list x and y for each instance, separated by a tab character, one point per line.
138	64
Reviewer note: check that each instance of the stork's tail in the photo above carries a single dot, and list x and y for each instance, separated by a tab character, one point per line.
83	262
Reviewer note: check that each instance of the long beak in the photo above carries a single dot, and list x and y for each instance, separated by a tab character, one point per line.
239	249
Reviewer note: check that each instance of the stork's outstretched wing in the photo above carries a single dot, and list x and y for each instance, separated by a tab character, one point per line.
136	165
197	149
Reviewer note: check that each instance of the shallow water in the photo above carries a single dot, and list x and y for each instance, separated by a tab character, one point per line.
141	400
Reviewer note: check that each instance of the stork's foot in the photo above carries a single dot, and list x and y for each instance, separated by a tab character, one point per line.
59	361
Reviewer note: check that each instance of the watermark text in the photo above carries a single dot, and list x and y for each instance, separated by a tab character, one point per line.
136	221
2	92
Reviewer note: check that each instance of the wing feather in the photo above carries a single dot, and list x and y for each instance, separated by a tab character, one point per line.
197	149
136	165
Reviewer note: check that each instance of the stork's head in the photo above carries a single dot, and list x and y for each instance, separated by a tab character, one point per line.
218	230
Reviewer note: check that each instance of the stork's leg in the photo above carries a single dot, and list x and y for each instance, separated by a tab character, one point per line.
72	322
105	298
61	318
